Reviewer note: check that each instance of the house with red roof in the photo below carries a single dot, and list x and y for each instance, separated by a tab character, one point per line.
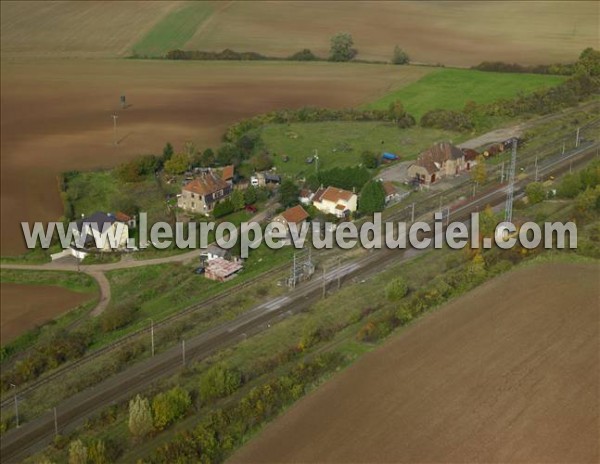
335	201
203	193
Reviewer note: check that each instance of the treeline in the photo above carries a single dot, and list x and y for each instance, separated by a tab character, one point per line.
224	430
312	114
588	63
545	101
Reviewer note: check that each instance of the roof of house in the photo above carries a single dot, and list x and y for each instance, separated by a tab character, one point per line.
227	172
305	193
318	194
470	154
216	250
334	195
389	188
434	157
295	214
121	216
97	221
222	268
206	184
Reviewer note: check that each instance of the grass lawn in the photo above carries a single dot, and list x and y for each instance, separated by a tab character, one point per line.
174	30
452	88
341	143
75	281
93	191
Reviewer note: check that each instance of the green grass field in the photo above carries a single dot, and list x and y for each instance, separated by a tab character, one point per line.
341	143
174	30
452	88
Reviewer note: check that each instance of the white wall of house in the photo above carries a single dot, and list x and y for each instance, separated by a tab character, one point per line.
330	207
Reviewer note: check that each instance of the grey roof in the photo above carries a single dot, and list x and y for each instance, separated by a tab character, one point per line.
97	221
215	250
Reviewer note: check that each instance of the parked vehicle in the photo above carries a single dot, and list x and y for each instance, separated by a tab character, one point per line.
389	156
251	208
199	270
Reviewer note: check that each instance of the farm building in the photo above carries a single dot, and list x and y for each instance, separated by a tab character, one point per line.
227	174
306	196
203	193
391	192
439	161
335	201
125	218
220	269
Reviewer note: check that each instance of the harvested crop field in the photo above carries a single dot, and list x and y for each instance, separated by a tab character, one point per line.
56	114
26	306
459	33
507	373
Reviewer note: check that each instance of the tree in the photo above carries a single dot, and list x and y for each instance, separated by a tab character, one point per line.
218	381
396	289
479	171
288	193
372	198
341	47
369	159
97	453
140	417
228	153
78	453
261	162
178	164
303	55
207	158
250	195
570	186
169	406
589	62
396	110
237	199
536	193
223	208
167	152
399	56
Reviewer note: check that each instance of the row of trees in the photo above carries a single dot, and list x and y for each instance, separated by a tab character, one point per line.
341	49
588	63
223	430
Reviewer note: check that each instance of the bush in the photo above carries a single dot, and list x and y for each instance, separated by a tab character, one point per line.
223	208
217	382
536	193
117	316
169	406
447	120
396	289
372	198
369	159
303	55
138	168
399	56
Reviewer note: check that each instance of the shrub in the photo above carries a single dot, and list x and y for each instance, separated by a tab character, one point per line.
396	289
447	120
140	417
169	406
400	56
223	208
116	317
303	55
536	193
218	381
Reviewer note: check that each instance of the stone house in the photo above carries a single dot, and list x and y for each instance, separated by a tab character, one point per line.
441	160
203	193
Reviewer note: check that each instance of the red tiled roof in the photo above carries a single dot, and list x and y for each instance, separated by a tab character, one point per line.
295	214
205	185
120	216
227	172
434	158
318	194
334	195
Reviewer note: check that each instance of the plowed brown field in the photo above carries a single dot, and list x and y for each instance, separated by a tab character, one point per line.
508	373
56	115
26	306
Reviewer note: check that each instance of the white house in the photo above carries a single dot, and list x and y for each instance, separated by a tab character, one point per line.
102	231
335	201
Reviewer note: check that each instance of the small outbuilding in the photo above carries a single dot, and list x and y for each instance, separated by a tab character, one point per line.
221	270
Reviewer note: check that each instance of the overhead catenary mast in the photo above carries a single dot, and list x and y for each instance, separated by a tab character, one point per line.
510	189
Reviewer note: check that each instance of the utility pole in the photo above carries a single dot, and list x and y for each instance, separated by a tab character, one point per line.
563	150
12	385
152	335
323	282
339	273
511	183
577	138
317	160
183	352
115	116
412	216
502	173
536	168
55	423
